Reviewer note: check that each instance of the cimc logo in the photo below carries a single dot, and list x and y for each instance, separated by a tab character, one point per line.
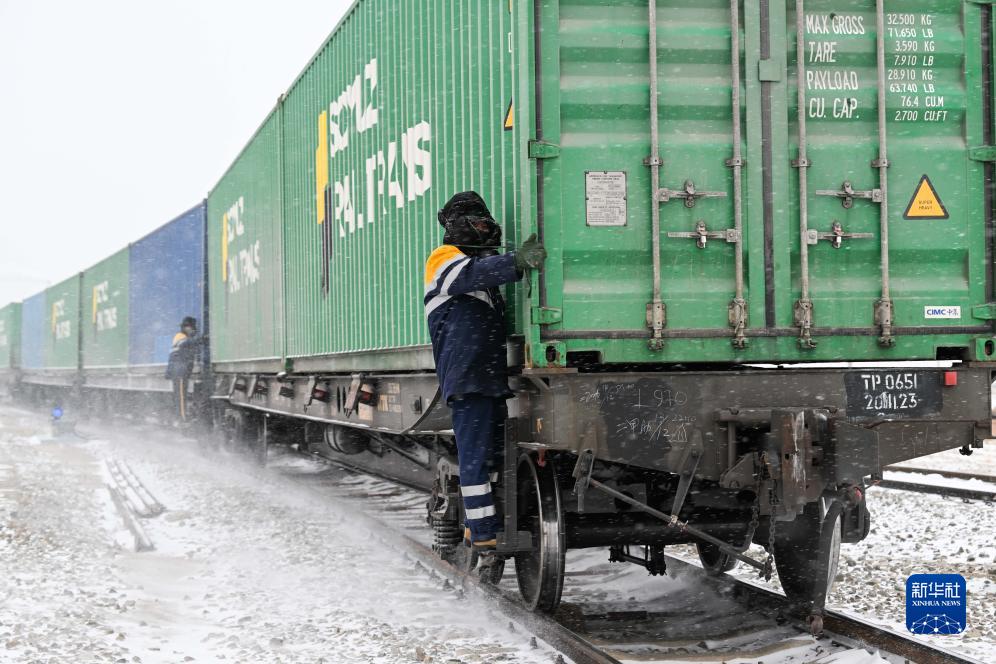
353	192
240	256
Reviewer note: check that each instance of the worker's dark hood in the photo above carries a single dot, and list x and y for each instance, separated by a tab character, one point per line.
469	225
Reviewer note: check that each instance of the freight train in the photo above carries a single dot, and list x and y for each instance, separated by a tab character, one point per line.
767	223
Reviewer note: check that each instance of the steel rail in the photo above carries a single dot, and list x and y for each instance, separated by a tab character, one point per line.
837	625
967	493
557	635
947	491
951	474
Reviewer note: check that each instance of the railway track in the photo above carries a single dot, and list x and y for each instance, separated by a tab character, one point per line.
753	622
133	501
895	481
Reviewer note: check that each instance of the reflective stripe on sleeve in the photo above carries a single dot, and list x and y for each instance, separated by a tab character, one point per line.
475	490
480	512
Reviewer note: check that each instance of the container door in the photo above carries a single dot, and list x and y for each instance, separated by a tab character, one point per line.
806	182
885	101
608	252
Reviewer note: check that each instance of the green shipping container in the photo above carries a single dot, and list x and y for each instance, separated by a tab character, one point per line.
62	342
783	182
244	227
10	336
382	127
105	313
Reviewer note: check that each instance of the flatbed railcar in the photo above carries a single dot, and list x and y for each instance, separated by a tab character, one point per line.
770	274
727	191
10	347
100	340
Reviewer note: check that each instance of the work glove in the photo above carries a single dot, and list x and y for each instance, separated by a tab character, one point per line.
530	255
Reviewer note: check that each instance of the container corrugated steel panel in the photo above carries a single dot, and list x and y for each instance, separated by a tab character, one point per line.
379	131
62	317
245	257
595	105
105	313
166	284
10	336
407	104
33	335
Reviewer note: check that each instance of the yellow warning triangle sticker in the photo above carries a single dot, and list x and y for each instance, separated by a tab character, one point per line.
925	203
509	117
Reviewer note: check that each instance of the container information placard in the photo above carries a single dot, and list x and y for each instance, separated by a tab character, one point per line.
893	393
605	198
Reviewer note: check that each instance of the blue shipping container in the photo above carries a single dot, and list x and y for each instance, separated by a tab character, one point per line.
33	332
166	282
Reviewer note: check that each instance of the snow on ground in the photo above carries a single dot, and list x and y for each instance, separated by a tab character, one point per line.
251	567
246	569
980	462
915	533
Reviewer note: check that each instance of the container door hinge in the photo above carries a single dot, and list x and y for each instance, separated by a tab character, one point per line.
543	150
984	311
546	315
984	153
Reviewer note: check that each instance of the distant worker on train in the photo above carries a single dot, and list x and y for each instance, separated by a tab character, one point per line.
466	316
182	357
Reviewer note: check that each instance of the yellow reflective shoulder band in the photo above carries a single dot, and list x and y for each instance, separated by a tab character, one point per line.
438	257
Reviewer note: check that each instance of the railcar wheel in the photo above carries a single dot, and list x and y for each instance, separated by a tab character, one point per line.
540	572
246	433
259	440
231	431
797	549
714	561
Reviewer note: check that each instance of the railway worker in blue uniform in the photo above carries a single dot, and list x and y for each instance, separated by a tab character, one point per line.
466	316
182	356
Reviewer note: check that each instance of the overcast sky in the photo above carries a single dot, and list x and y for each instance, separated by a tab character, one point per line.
118	115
